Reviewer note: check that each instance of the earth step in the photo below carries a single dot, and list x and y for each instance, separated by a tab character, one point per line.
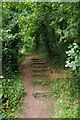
41	83
42	94
35	59
41	80
38	62
38	65
40	75
39	70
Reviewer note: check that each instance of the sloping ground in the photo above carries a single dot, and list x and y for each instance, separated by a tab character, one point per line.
60	73
41	83
37	102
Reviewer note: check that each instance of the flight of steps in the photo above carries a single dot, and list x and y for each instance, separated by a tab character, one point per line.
40	76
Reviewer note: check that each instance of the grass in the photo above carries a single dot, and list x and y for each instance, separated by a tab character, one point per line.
13	92
65	90
66	95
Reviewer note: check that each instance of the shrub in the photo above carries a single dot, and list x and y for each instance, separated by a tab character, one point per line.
12	91
73	60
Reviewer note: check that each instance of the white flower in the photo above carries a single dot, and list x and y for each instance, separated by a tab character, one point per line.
66	65
1	76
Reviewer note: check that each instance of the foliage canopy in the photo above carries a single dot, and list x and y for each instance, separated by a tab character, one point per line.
48	28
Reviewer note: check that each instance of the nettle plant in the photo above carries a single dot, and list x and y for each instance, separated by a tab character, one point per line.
73	58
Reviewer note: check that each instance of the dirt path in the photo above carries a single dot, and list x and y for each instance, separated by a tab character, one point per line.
34	107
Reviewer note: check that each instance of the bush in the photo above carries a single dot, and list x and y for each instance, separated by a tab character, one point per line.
73	60
12	91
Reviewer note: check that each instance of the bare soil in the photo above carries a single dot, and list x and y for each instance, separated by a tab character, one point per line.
34	107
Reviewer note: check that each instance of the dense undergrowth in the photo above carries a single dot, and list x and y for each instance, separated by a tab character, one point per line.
12	88
66	95
12	91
